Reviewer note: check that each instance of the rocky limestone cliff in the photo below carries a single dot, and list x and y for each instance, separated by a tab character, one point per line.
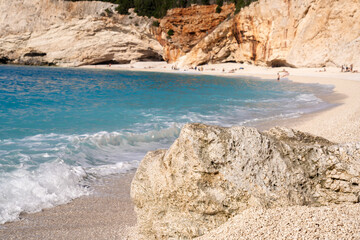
190	25
300	33
57	32
212	173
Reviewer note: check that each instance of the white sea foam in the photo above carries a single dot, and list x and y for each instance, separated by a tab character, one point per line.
272	118
308	98
46	155
52	169
120	167
102	139
51	184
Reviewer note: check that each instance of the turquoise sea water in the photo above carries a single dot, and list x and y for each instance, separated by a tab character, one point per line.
60	127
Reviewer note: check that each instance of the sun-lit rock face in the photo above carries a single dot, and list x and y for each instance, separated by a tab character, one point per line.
301	33
72	33
211	174
190	25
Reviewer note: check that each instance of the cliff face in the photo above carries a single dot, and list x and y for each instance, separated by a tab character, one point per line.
301	33
211	174
190	25
72	34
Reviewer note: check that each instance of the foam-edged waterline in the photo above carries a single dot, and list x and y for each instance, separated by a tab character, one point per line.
31	191
108	130
58	168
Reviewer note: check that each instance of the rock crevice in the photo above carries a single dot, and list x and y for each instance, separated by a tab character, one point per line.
294	33
212	173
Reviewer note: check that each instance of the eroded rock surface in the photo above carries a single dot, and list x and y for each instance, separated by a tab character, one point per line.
300	33
190	25
212	173
65	33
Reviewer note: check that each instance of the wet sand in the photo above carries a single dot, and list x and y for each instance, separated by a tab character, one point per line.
106	214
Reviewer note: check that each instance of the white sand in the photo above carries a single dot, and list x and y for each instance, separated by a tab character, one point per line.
108	214
297	222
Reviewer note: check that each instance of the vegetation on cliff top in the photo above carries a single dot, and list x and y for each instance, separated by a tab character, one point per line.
158	8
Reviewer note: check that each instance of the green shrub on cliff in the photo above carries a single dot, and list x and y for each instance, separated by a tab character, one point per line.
158	8
205	2
124	6
218	9
154	8
170	32
220	3
239	4
156	23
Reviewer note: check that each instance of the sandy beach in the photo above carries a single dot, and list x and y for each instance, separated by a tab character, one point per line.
105	214
108	213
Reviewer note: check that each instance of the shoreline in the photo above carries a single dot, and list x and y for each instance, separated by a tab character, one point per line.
342	117
109	213
339	123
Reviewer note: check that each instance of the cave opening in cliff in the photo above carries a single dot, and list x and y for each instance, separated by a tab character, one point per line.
151	59
4	60
278	63
35	54
112	62
149	55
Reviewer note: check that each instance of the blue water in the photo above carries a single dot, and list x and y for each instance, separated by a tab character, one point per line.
60	127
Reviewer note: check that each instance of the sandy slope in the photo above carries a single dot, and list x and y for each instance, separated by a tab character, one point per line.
106	214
